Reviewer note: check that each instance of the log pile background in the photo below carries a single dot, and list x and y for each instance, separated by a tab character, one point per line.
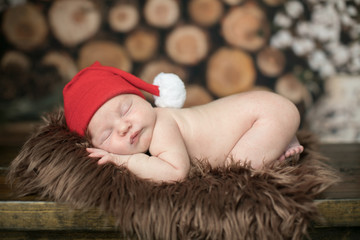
218	48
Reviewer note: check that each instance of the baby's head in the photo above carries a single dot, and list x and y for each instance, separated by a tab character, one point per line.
97	91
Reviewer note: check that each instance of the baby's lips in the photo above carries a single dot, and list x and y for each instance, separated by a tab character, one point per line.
134	136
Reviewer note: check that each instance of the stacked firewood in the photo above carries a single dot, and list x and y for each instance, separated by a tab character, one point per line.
218	47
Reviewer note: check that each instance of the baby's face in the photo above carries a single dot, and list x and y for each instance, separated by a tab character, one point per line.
123	125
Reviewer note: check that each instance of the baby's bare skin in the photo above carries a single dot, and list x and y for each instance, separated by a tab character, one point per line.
256	127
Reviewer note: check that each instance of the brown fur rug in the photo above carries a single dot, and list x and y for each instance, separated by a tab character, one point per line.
237	202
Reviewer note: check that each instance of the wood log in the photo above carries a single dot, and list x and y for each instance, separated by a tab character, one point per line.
14	75
25	27
246	27
233	2
196	95
153	68
230	71
73	22
274	3
205	12
142	44
16	58
290	87
187	45
62	62
106	52
161	14
270	61
123	17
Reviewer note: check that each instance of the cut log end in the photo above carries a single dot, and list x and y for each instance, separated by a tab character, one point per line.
205	12
25	27
161	14
274	3
15	58
123	17
107	53
63	63
291	88
230	71
187	45
233	2
142	44
73	22
196	95
271	61
246	26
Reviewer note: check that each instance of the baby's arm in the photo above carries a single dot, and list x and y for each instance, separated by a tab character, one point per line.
169	163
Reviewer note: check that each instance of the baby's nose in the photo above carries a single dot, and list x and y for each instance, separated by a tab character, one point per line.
123	128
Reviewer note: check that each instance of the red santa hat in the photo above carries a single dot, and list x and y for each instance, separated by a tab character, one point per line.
94	85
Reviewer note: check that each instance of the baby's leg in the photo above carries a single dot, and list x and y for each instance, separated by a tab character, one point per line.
274	127
293	150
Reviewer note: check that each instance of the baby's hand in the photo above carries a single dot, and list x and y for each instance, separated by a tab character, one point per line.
106	157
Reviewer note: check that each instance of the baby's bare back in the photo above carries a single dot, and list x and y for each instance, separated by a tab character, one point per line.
211	131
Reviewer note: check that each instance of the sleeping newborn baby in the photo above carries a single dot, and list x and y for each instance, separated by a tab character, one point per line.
106	104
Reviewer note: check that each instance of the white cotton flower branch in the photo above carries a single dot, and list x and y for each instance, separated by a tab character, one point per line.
294	9
317	38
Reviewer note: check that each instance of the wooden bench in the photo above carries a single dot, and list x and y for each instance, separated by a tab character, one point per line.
28	219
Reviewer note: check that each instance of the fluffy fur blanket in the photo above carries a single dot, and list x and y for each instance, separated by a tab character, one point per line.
237	202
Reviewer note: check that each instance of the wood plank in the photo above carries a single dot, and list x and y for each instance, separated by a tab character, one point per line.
61	235
343	233
39	215
346	159
51	216
339	213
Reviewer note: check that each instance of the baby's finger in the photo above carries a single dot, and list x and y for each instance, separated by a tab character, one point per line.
105	159
90	150
96	155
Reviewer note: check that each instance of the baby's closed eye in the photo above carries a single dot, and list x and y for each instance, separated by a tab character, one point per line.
125	108
106	135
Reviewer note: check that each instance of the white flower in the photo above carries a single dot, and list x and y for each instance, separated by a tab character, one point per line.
294	9
323	33
302	46
352	11
282	20
282	39
340	56
316	59
346	20
339	53
354	65
303	29
355	49
354	32
327	70
340	5
325	15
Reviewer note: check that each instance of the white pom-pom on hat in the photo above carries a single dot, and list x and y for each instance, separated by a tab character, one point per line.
172	90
